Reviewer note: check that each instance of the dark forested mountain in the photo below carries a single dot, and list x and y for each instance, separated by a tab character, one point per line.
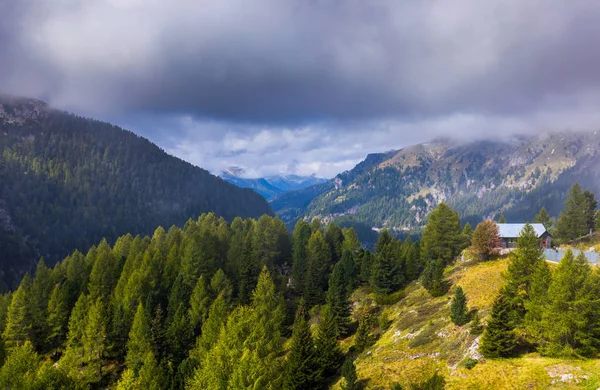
481	179
67	181
271	186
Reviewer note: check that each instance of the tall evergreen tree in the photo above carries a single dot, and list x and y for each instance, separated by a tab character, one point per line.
18	320
499	338
327	350
543	217
459	314
467	234
199	304
94	342
316	273
302	370
570	319
573	223
58	316
337	298
300	239
524	261
386	275
103	275
180	335
140	340
590	204
41	288
366	266
335	239
441	238
433	278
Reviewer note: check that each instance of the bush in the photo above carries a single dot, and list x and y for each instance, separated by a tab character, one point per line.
389	299
470	363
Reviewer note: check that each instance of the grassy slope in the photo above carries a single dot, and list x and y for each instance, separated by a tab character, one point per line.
422	339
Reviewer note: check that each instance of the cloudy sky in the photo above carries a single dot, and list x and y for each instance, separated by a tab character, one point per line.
307	86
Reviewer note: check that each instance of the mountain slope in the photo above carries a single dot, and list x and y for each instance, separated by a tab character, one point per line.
271	186
421	339
398	189
67	181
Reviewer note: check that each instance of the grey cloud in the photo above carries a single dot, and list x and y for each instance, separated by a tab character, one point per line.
297	61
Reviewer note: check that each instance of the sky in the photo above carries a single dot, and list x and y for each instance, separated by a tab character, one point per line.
307	86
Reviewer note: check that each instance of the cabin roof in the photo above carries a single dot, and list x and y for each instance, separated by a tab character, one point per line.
513	230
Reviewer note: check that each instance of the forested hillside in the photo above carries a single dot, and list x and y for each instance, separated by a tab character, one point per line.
66	182
398	189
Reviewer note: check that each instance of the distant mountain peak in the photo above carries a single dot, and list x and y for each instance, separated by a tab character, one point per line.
15	109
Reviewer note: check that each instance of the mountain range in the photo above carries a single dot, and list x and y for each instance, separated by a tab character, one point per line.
271	186
481	179
66	182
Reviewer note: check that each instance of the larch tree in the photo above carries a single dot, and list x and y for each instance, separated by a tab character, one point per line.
200	302
140	340
18	320
485	240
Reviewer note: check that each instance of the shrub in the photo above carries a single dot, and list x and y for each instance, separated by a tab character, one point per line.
389	299
470	363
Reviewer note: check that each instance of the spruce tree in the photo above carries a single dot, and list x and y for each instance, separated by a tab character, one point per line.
349	270
386	275
590	205
300	239
499	338
366	266
18	320
350	379
433	278
248	270
140	340
362	338
302	370
337	299
334	238
459	314
573	223
316	272
103	274
467	234
180	335
327	350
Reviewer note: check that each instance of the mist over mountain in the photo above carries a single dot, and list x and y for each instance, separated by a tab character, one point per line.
66	182
270	186
397	189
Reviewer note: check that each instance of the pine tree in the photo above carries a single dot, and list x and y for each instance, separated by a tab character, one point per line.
349	270
302	370
103	274
366	266
316	272
158	331
327	350
537	301
300	239
486	239
140	340
467	234
349	374
386	275
18	320
337	298
499	339
412	263
590	205
459	314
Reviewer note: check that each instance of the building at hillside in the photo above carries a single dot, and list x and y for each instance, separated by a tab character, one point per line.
509	233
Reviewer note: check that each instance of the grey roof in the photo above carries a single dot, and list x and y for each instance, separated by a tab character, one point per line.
512	230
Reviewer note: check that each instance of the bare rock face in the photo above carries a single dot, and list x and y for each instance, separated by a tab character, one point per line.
16	110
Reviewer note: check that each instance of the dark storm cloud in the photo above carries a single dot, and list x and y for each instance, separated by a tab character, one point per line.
295	61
